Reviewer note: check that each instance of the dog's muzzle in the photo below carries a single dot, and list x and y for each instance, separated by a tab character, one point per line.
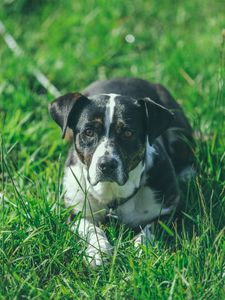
109	169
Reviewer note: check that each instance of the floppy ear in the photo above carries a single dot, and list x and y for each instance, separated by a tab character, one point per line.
158	118
61	109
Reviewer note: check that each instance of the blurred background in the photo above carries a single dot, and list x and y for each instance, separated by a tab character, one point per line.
74	43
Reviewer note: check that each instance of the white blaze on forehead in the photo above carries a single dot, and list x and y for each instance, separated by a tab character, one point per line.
103	146
109	112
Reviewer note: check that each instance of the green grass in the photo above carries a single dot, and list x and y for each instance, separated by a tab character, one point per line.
177	43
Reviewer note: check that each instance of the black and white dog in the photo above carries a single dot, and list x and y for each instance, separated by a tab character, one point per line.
131	143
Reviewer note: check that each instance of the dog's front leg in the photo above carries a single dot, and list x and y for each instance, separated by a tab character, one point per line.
97	243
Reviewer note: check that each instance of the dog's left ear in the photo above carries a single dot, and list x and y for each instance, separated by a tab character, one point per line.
158	118
63	107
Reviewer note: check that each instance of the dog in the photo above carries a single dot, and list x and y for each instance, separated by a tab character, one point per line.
131	144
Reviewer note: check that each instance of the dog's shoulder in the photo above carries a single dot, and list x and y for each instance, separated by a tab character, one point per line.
161	176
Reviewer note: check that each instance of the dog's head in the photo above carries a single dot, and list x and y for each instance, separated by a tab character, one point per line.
110	131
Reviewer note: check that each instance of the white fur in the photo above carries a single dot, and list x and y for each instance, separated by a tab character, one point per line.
73	192
109	112
76	193
97	242
99	152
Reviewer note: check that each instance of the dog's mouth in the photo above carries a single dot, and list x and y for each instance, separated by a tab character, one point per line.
102	178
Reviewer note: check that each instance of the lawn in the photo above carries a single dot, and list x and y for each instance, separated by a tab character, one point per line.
177	43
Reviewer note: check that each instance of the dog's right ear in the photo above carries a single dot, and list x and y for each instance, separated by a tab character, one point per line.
61	109
159	118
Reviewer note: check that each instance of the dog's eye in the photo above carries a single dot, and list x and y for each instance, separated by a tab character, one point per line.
89	132
128	134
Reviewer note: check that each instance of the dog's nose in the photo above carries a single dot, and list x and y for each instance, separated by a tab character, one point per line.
107	164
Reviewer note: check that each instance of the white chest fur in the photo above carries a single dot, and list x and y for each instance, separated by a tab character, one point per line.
81	195
141	209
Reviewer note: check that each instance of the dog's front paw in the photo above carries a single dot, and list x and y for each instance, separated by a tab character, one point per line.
144	237
98	253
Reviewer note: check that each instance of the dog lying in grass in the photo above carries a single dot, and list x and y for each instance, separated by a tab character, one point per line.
131	143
